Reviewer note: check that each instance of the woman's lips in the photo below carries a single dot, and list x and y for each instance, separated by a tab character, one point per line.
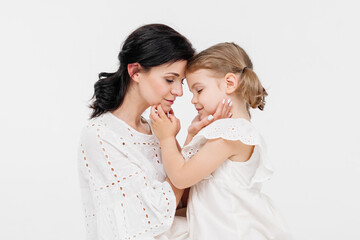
199	109
170	101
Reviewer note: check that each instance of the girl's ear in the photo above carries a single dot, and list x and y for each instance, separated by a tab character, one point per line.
134	71
232	82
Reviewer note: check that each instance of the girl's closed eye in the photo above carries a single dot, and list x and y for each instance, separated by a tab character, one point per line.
199	91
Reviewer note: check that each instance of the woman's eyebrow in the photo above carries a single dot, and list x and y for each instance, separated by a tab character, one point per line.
176	74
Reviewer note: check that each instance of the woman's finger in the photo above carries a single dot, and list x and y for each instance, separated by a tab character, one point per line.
206	121
226	109
219	109
227	101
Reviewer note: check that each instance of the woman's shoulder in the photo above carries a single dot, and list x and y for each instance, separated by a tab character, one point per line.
112	129
101	126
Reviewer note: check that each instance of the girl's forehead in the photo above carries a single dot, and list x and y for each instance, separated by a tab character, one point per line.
198	72
200	78
194	79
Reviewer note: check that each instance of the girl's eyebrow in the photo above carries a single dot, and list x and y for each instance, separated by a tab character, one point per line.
197	83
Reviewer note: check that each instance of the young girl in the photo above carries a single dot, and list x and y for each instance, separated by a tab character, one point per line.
225	162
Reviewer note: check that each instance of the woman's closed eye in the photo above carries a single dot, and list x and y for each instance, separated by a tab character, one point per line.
169	80
199	91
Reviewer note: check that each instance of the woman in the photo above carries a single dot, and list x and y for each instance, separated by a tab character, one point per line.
125	191
124	187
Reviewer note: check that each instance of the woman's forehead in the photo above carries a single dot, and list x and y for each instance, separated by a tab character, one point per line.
174	68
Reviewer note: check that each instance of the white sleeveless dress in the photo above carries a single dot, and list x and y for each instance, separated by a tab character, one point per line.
228	204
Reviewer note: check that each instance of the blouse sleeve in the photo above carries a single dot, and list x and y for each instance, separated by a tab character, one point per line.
121	201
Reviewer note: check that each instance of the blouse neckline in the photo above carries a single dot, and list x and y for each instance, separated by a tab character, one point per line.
131	128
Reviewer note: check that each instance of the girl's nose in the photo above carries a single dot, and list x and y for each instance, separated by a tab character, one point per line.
193	100
177	90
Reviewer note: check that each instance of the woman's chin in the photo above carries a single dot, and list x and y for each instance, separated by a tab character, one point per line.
166	108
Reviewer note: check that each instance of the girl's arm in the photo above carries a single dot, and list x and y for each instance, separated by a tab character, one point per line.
184	174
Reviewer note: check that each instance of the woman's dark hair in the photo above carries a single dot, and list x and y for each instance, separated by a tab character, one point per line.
150	45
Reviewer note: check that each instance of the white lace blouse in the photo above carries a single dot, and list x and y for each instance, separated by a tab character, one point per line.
122	180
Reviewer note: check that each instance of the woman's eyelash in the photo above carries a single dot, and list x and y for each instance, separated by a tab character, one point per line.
199	91
169	81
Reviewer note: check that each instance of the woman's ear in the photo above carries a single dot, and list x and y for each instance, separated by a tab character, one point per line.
134	71
232	82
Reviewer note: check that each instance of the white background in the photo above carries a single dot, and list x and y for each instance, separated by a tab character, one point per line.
306	53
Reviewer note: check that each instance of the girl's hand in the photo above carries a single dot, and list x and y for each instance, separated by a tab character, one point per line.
171	112
162	125
222	111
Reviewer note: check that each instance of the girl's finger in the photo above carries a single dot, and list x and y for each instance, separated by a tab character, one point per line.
153	115
161	112
172	118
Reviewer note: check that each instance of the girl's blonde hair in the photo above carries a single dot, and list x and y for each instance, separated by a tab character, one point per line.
226	58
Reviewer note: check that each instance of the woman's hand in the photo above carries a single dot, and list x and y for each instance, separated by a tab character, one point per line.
222	111
164	126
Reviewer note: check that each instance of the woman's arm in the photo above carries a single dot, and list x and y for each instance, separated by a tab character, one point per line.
178	192
122	190
189	137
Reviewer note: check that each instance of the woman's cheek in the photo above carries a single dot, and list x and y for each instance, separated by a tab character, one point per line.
160	92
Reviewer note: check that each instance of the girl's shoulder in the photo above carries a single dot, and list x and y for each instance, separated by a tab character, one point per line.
231	129
235	131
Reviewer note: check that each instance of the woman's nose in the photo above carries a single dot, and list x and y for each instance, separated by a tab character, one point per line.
177	90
